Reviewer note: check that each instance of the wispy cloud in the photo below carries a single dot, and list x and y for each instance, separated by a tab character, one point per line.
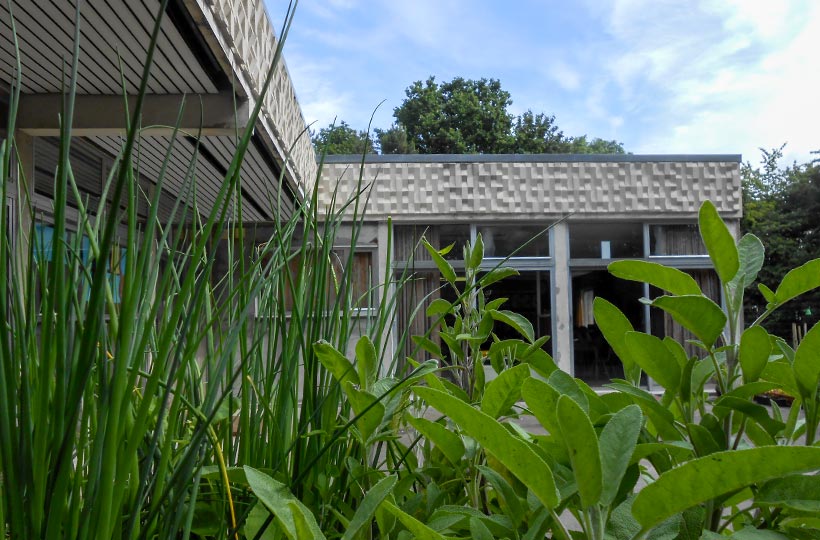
711	76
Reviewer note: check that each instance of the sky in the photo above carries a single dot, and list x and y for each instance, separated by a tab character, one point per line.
662	77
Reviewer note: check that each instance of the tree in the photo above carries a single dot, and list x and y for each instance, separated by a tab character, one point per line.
580	145
538	134
342	139
395	140
466	116
462	116
782	208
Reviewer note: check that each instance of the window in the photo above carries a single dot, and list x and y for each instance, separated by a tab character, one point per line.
671	240
605	240
504	240
359	276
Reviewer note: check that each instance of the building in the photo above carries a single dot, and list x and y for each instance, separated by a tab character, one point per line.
584	210
581	212
215	53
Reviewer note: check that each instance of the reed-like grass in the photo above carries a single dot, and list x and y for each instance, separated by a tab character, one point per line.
125	416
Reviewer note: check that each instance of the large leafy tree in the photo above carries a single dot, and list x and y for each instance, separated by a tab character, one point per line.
342	139
782	207
462	116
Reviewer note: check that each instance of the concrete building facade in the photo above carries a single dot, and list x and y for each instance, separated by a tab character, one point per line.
581	212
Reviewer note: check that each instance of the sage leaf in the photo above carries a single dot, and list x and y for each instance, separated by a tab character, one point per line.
706	478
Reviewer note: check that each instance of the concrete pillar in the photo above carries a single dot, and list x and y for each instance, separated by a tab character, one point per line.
23	191
562	298
384	275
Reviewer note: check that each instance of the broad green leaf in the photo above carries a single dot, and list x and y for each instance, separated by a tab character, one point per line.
808	526
751	253
807	363
661	418
278	499
706	478
614	325
444	267
617	444
367	508
305	527
798	281
582	445
366	362
445	439
622	525
799	492
477	253
655	359
758	413
515	507
698	314
514	453
752	533
719	242
479	531
564	383
503	391
335	362
366	407
541	400
495	275
663	277
755	348
703	440
428	345
419	530
439	306
514	320
781	373
256	518
767	293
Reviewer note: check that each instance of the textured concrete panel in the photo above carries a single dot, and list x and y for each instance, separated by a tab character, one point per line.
537	187
246	38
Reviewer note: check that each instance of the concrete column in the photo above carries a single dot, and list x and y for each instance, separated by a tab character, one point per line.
23	190
562	298
384	276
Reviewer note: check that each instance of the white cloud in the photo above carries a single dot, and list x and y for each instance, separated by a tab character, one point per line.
723	77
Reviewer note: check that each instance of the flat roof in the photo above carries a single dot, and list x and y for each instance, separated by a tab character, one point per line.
533	158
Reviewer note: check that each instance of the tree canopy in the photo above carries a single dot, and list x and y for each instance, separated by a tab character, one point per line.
781	206
342	139
463	116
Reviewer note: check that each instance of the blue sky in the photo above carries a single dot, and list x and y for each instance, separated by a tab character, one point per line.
711	76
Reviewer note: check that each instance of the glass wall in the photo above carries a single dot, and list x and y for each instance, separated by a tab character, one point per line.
529	293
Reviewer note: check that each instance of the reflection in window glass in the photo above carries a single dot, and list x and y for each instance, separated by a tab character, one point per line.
458	235
675	240
605	240
503	240
440	236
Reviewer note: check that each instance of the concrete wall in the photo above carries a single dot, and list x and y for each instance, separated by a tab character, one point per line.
241	32
443	188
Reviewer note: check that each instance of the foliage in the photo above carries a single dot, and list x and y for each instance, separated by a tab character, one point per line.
394	140
343	139
782	207
462	116
466	116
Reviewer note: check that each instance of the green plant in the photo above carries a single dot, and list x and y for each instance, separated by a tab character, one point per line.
713	464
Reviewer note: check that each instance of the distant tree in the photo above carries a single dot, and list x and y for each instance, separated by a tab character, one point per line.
466	116
781	206
342	139
580	145
538	134
395	140
462	116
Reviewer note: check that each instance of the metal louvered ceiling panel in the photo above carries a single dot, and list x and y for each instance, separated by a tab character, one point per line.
45	31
